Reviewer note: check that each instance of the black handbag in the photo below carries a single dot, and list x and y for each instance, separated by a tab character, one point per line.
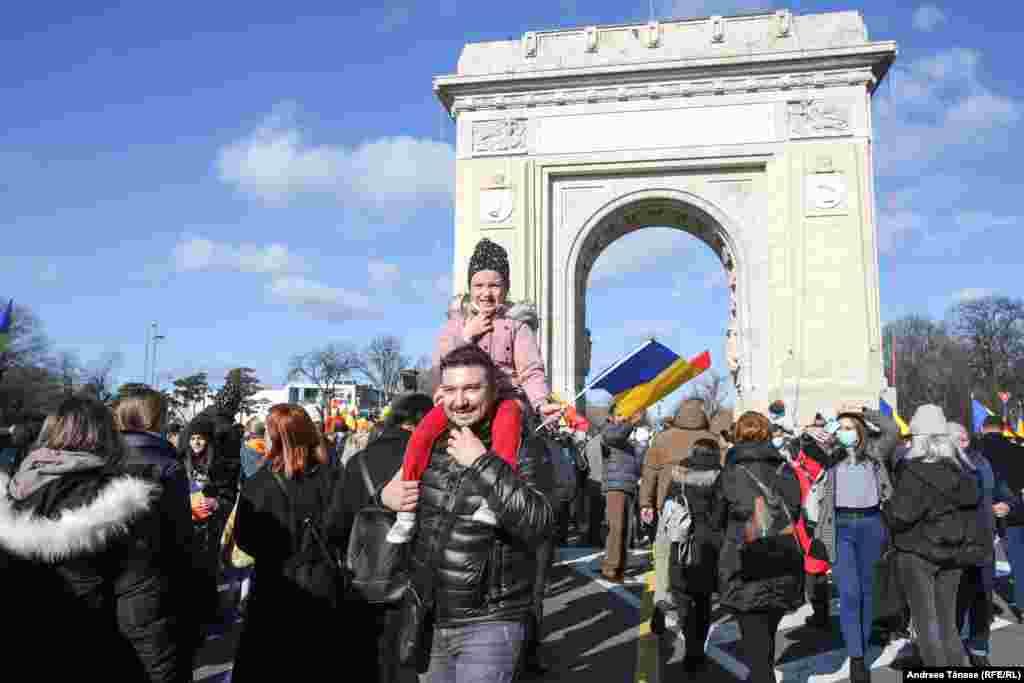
377	569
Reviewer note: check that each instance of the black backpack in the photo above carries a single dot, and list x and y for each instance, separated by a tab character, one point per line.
314	566
378	569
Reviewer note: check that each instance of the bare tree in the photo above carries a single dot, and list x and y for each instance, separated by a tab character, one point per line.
98	378
712	389
327	368
992	331
931	366
26	345
426	375
382	364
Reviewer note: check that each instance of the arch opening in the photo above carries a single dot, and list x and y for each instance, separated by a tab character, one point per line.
658	210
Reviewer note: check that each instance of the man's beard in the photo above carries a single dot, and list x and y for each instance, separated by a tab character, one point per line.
482	427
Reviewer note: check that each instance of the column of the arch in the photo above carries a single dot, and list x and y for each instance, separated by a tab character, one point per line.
838	296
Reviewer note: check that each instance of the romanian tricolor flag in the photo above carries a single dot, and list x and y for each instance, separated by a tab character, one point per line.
648	375
1020	427
6	322
886	409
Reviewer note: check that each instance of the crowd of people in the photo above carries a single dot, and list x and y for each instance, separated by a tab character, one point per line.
116	529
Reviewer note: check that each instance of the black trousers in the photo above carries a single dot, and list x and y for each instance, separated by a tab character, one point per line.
757	643
591	514
387	621
974	598
535	622
694	610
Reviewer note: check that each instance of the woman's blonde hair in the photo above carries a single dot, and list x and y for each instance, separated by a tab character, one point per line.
142	411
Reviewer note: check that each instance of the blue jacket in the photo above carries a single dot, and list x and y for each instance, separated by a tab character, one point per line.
252	461
621	462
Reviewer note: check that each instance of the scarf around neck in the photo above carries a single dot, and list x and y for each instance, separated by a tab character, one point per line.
43	466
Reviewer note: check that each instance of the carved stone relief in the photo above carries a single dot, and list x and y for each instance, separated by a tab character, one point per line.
496	204
505	136
818	118
826	193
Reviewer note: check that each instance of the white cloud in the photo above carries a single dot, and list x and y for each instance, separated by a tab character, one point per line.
983	110
202	254
323	301
971	294
936	104
383	274
928	17
276	163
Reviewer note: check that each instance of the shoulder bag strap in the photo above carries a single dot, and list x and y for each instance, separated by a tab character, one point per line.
291	508
768	492
368	480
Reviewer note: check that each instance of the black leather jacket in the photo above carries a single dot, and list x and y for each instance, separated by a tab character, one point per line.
470	571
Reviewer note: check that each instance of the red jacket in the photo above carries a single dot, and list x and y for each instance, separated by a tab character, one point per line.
807	470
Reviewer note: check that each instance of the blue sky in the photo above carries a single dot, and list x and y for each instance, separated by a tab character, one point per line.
230	170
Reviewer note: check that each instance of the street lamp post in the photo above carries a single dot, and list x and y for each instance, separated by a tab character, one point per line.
145	367
156	339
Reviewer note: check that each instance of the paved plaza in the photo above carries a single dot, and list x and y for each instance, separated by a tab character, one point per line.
597	631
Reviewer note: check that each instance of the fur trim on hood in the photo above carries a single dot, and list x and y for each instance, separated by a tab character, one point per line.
524	312
77	531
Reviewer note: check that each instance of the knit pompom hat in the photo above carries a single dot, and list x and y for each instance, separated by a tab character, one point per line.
489	255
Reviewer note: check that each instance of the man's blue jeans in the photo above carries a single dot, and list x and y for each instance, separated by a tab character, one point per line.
860	539
476	653
1015	554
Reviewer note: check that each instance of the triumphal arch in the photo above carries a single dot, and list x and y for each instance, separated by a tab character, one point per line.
752	133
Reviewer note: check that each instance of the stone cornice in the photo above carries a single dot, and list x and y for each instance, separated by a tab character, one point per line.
664	90
842	66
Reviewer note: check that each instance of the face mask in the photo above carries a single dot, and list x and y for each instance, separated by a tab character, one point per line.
847	438
778	441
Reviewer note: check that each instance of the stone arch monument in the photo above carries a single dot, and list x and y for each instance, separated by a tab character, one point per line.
752	133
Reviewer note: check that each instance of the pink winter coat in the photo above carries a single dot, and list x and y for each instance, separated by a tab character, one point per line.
513	347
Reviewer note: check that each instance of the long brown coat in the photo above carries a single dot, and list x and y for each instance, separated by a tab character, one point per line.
689	425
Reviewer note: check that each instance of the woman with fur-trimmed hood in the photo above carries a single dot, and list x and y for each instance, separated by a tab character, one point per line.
80	544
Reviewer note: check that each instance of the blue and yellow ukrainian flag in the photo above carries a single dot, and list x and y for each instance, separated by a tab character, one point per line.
648	375
885	409
6	321
978	414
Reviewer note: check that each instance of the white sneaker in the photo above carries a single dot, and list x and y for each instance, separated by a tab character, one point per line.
401	531
485	515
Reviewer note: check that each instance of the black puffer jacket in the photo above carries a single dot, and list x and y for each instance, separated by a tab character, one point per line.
700	486
150	457
80	560
934	514
734	508
479	573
